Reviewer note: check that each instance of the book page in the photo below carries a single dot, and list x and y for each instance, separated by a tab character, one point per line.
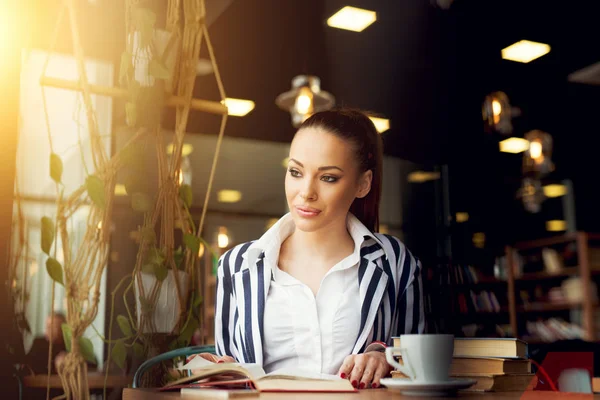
254	371
299	374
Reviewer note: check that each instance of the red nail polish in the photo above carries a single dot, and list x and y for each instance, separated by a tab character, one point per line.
362	385
343	375
374	385
220	362
354	383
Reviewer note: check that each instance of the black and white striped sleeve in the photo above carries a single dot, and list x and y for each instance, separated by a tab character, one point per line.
410	315
225	310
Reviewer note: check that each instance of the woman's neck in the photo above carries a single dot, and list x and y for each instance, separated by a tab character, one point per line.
330	242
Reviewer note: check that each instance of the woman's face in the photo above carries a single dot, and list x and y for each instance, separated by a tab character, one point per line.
322	180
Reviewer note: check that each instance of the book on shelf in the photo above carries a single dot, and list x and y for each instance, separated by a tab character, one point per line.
234	376
485	347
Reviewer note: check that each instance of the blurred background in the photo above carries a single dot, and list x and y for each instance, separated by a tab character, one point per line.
489	148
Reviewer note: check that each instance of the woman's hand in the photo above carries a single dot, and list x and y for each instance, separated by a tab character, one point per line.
212	358
365	370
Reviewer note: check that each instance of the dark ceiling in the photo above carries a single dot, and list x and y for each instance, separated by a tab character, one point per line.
428	70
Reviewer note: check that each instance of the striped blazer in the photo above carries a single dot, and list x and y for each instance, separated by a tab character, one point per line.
390	287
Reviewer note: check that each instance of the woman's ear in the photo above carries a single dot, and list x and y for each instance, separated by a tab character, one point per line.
364	184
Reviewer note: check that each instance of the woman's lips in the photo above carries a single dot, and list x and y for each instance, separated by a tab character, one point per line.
307	211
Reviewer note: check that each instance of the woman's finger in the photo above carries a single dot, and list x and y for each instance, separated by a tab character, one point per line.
226	359
360	362
381	372
370	369
346	367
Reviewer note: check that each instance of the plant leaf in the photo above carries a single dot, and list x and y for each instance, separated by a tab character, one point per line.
192	242
87	350
141	202
125	67
56	167
124	325
95	189
130	114
155	256
161	272
185	193
47	234
119	354
158	70
188	331
148	268
148	235
138	350
178	257
54	270
197	301
66	330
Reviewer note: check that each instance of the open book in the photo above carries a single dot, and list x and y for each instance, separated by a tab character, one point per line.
230	375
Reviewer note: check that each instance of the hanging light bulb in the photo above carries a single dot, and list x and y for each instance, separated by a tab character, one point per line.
537	159
531	194
496	110
304	99
497	113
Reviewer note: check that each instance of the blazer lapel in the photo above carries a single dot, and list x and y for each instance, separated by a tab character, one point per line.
372	281
251	286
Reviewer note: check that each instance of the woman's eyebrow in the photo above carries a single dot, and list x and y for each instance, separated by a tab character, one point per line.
320	168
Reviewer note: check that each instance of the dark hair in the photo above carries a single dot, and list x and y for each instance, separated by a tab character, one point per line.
355	127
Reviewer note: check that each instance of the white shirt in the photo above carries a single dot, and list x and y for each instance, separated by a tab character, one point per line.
306	331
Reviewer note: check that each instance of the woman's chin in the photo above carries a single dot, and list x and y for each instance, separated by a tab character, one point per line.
306	224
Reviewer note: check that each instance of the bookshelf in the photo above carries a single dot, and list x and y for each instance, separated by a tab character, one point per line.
478	303
550	281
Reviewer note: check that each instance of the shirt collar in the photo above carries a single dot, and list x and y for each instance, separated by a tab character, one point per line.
270	242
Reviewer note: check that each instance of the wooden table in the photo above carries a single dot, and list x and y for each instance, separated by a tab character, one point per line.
369	394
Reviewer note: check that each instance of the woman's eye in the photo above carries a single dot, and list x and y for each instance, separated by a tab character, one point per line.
294	173
329	179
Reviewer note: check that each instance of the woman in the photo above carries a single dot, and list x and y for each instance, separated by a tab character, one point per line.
321	290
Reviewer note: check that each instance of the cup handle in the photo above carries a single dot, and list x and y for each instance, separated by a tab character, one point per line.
406	369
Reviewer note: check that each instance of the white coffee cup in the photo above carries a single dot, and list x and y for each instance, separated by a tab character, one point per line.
426	357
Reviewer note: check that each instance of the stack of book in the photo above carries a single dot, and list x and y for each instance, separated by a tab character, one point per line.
497	364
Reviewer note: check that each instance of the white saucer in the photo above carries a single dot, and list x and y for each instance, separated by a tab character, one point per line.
410	388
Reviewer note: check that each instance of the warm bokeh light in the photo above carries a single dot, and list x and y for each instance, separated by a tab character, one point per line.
186	149
479	240
352	19
238	107
222	238
535	151
285	162
304	101
423	176
381	124
462	217
514	145
525	51
556	225
496	110
555	190
229	196
201	250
